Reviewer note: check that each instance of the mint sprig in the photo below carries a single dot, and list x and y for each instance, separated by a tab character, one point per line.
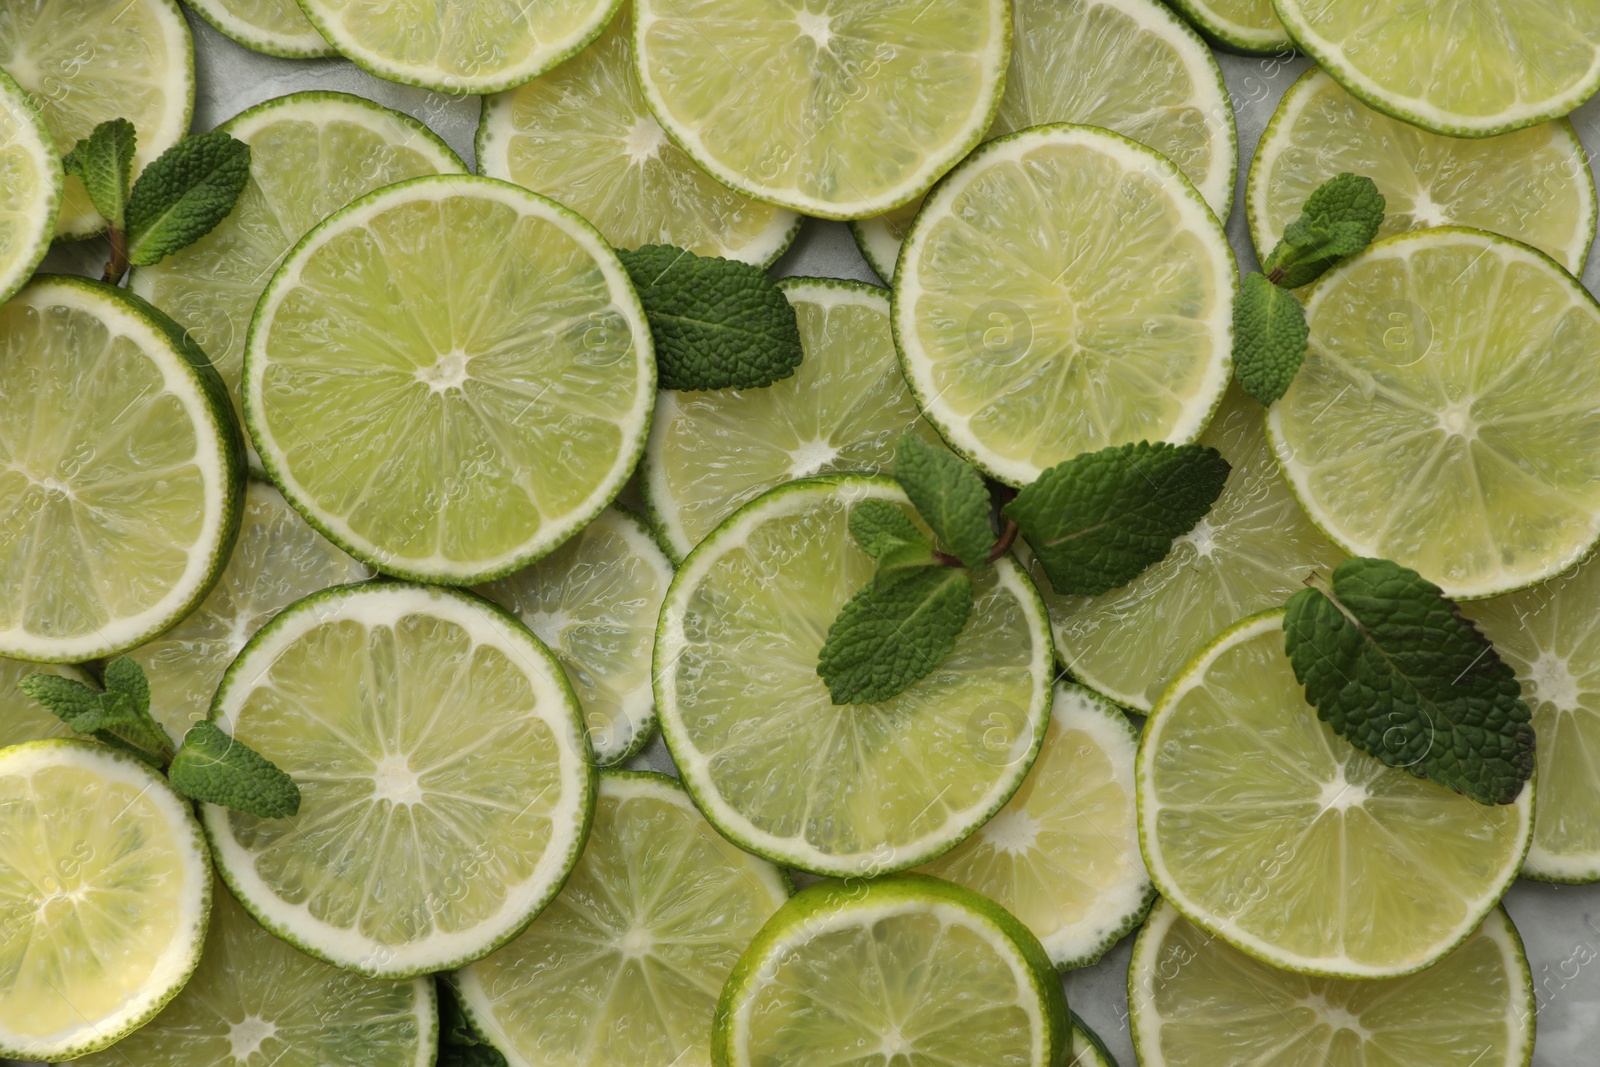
103	161
1392	665
218	769
949	495
1270	335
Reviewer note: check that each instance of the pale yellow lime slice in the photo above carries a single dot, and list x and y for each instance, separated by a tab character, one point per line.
276	27
31	183
23	718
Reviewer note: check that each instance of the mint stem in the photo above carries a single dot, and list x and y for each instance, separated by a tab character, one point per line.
1276	276
117	266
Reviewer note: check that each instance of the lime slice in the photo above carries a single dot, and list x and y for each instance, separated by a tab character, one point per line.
1131	66
625	965
1087	1050
1063	290
121	472
1533	185
1198	1002
87	61
594	601
1550	635
835	108
445	785
450	377
32	181
105	889
255	999
777	766
1063	855
1251	552
903	970
452	47
23	718
1466	68
310	154
845	408
1269	830
583	136
1248	26
276	27
277	560
1446	414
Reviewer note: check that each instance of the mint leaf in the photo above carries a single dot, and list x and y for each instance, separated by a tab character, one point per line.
1339	220
1394	667
119	715
949	495
891	635
218	769
184	194
73	703
717	323
878	526
103	161
1096	521
124	677
460	1044
1269	338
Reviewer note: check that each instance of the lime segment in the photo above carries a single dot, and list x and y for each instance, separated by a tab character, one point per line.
32	182
276	27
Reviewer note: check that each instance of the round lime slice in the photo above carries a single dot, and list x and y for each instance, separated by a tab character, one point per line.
32	183
655	915
445	783
1446	413
105	889
121	472
1248	26
1270	831
276	27
777	766
23	718
450	377
1065	289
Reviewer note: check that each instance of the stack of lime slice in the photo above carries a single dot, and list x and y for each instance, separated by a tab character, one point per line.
276	27
33	186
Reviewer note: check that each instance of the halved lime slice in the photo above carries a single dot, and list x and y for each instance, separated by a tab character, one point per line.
445	783
276	27
450	377
1251	552
87	61
1248	26
1446	414
255	999
1127	65
1466	68
23	718
595	601
1550	634
452	47
624	967
310	154
1063	855
908	969
845	408
777	766
1533	185
835	108
1087	1050
121	472
277	560
31	180
1270	831
583	136
1198	1002
1063	290
104	889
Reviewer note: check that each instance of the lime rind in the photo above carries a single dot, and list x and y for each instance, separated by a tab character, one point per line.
1233	36
1087	1048
268	40
24	115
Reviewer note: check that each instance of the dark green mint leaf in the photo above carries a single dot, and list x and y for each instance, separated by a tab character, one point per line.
890	636
218	769
103	161
182	196
460	1044
73	703
125	677
1269	338
1340	219
949	495
878	525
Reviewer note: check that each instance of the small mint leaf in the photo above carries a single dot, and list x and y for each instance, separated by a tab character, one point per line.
182	196
103	161
878	526
1339	220
71	701
218	769
901	559
890	636
949	495
125	676
716	323
1269	338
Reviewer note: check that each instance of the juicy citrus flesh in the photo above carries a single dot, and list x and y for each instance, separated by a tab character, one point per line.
1063	854
104	892
583	136
1116	317
1550	634
277	27
277	560
32	178
845	408
838	108
1268	829
780	768
1198	1002
256	999
114	471
625	964
1445	414
1251	552
310	155
444	780
1250	25
1533	185
89	61
595	601
450	377
23	718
